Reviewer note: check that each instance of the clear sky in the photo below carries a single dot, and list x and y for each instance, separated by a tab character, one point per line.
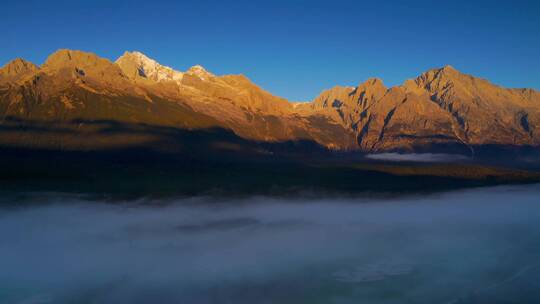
292	48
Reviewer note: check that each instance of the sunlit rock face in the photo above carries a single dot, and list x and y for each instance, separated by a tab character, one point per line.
441	106
137	65
442	110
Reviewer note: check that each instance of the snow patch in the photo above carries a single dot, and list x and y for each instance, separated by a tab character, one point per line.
153	70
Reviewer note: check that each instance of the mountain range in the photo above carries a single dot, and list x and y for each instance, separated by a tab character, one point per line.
79	101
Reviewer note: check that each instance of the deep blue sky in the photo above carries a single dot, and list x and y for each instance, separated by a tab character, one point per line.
292	48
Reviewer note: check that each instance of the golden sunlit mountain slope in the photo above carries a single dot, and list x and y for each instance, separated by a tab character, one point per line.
442	107
441	110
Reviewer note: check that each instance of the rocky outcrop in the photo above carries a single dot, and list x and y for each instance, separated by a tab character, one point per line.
16	70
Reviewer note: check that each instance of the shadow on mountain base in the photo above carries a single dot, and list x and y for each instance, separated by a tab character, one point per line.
131	160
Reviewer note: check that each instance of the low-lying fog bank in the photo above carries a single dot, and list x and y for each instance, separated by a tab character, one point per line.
475	246
418	157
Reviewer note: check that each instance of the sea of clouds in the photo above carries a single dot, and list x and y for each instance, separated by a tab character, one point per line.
480	243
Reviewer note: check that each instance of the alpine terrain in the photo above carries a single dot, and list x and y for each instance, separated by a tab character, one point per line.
80	101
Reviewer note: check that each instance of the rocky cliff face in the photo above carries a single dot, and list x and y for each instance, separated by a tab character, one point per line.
484	113
442	109
16	70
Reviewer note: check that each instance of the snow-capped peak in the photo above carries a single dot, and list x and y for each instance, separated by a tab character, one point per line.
149	68
136	64
200	72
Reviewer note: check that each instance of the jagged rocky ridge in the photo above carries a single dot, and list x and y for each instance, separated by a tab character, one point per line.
74	94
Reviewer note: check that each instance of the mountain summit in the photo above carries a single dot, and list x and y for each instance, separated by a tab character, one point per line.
137	65
200	72
440	110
